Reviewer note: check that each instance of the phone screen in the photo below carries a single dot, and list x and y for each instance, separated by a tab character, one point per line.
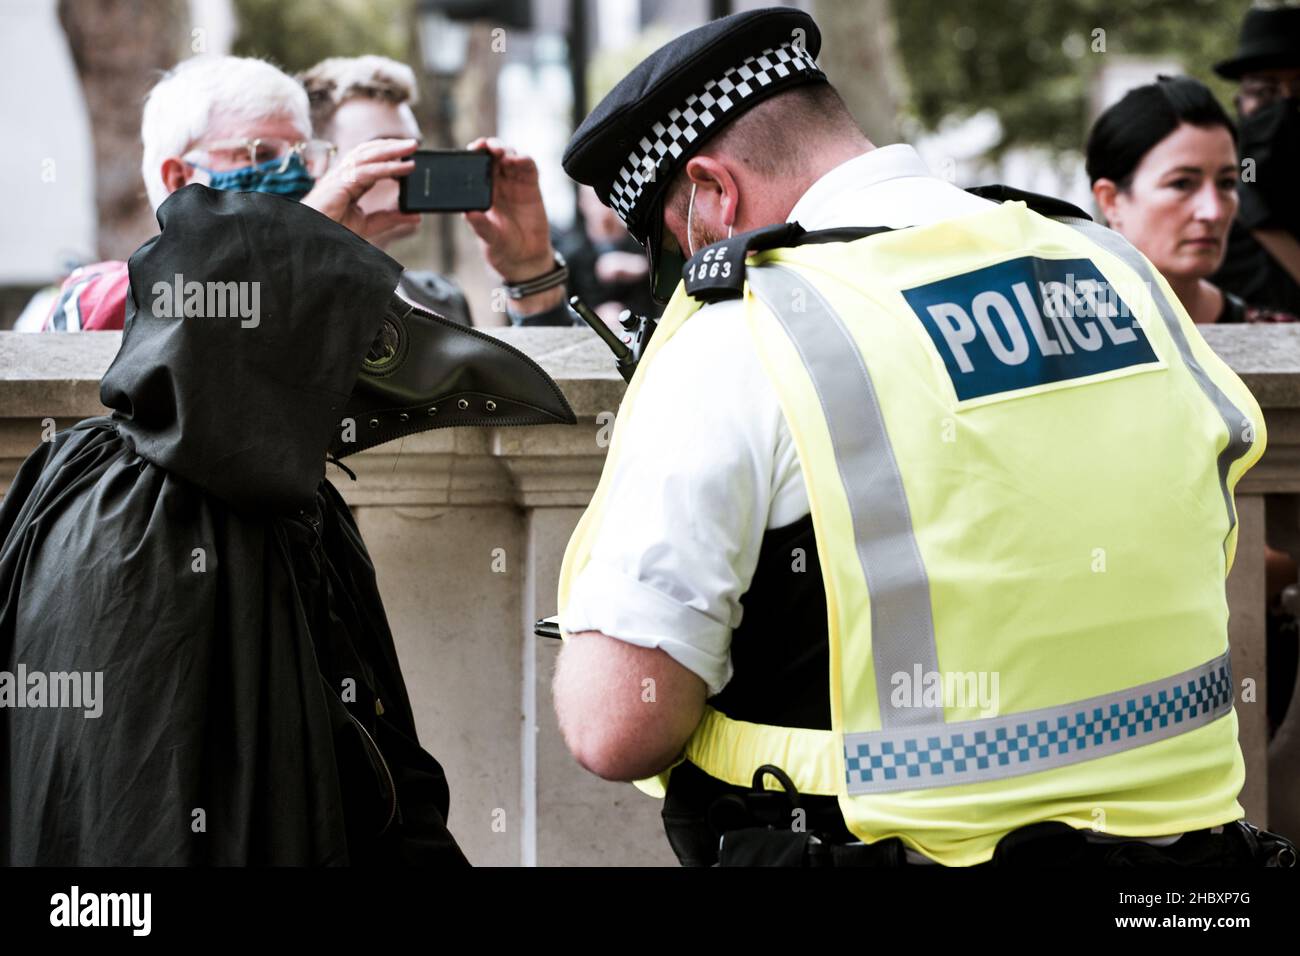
447	181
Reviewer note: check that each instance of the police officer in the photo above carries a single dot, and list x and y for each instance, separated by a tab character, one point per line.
911	541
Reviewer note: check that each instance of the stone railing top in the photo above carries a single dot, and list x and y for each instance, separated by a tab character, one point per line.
1267	357
58	375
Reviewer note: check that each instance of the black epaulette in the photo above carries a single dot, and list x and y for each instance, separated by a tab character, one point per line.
717	271
1044	205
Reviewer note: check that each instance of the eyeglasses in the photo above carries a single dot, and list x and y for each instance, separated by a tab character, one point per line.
1266	91
233	153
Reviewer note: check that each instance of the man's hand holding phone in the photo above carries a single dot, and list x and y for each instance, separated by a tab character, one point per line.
510	222
336	193
514	232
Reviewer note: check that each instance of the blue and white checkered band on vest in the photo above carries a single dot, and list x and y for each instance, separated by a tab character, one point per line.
704	109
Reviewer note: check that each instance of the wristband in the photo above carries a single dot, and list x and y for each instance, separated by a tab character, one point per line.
547	280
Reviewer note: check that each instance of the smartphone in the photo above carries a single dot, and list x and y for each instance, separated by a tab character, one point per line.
548	627
447	180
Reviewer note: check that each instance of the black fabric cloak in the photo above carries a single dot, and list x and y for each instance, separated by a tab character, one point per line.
189	549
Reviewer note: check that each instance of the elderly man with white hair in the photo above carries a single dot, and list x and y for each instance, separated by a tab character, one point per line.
240	123
229	123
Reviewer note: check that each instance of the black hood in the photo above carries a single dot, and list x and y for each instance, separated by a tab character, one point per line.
245	407
239	383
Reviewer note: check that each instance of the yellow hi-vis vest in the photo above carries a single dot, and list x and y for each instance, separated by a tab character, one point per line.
1020	457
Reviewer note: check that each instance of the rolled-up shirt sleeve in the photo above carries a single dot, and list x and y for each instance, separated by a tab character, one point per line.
688	501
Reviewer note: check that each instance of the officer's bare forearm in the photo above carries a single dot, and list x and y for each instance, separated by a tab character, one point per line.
625	712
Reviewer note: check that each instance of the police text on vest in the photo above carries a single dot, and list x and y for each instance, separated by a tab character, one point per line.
1028	322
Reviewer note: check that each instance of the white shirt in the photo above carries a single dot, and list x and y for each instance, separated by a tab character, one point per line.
707	462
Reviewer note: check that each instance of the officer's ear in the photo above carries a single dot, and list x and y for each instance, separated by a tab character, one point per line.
717	195
1107	192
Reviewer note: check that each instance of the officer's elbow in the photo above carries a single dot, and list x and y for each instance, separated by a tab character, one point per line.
612	759
625	712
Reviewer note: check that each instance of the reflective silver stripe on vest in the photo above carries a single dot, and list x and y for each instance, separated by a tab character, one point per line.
1233	418
994	748
902	629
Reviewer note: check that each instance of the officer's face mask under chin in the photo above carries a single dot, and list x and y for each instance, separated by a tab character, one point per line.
666	257
424	372
666	265
666	260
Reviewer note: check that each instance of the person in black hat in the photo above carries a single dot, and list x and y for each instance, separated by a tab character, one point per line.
779	496
1262	265
184	563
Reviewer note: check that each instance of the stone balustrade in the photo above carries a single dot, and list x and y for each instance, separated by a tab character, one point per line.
467	528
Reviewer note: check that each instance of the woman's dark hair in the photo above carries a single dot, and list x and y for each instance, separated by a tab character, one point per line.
1129	130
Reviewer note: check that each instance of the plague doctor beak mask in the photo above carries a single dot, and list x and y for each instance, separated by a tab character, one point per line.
423	372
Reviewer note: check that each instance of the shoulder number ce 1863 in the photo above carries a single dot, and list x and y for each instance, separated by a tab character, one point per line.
712	265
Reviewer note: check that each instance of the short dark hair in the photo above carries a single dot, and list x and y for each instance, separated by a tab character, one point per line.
776	135
1131	128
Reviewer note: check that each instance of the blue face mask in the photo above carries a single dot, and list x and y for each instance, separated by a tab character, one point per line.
293	181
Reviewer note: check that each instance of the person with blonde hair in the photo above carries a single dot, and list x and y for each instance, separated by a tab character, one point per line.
364	99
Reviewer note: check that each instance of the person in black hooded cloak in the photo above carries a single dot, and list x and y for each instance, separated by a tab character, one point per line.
188	552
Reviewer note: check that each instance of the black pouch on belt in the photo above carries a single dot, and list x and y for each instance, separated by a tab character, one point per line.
770	828
763	846
1268	849
762	827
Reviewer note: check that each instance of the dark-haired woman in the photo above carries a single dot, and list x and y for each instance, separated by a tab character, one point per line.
1163	167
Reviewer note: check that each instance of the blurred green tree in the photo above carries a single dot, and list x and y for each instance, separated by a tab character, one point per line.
297	35
1033	62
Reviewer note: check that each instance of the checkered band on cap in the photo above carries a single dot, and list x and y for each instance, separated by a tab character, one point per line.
681	127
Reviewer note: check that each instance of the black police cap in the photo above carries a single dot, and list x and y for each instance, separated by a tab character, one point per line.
665	110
